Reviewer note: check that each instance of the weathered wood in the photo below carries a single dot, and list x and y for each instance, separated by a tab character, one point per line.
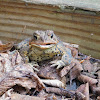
80	28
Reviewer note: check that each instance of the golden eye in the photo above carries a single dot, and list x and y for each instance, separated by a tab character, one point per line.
35	37
52	36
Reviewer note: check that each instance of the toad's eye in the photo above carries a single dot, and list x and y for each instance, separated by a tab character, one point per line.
35	37
52	36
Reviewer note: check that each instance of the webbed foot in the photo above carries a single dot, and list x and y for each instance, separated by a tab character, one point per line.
58	63
32	64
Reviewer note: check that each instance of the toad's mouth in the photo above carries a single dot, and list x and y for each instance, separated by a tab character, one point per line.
46	46
43	45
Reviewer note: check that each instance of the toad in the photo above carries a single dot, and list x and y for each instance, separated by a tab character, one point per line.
44	45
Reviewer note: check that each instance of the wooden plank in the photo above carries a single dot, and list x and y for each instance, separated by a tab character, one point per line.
52	14
80	28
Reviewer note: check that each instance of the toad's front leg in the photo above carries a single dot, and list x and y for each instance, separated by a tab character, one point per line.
66	60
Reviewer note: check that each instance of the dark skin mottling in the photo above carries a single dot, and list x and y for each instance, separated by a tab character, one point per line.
44	45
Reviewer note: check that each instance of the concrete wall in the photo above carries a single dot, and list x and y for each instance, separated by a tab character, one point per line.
93	5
